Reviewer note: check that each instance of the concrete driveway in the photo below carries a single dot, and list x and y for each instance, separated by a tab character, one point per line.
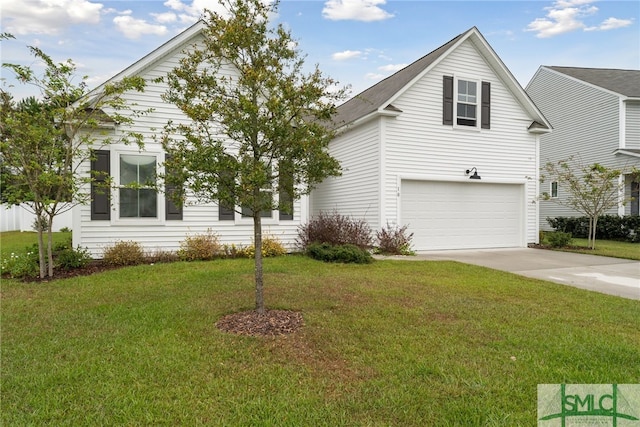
596	273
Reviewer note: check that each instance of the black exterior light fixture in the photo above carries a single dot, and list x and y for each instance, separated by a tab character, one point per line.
475	173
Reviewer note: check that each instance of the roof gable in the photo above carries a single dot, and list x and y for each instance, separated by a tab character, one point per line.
157	55
623	82
378	97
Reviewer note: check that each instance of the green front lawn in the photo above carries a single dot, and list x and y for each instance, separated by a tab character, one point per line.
611	248
391	343
17	241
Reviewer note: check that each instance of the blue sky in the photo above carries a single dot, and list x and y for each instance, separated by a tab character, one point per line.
357	42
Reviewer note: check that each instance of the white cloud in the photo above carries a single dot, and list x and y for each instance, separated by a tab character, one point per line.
568	15
347	54
357	10
611	24
392	67
165	18
133	28
47	17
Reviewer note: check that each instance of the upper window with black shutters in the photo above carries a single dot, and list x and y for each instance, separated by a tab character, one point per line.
466	102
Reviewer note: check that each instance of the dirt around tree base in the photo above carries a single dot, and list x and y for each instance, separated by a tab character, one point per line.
271	323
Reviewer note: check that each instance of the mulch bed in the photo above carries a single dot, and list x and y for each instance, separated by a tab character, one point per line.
271	323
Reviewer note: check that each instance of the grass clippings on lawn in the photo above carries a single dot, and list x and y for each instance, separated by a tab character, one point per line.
391	343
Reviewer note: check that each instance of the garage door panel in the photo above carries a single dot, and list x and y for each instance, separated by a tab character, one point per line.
459	215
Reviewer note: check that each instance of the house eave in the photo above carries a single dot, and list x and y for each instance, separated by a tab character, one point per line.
627	152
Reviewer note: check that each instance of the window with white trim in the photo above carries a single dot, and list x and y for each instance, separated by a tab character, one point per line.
137	195
467	103
554	189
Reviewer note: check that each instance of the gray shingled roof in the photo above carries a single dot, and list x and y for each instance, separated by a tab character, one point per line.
373	98
624	82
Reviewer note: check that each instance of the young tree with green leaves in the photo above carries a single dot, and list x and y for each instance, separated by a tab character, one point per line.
45	140
259	125
590	189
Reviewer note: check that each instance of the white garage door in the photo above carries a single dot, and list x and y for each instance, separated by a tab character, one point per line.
463	215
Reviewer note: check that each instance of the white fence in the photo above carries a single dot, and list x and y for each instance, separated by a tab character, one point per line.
19	218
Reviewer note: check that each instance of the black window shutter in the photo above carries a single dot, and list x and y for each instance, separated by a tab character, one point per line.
100	191
285	192
486	106
172	212
447	100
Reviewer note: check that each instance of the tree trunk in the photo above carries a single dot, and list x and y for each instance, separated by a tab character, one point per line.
593	237
41	257
591	227
50	245
257	238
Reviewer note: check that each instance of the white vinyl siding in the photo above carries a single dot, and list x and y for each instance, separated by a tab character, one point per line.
418	146
356	192
197	218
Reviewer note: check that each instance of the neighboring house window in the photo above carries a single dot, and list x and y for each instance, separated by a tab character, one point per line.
100	191
472	105
554	189
138	172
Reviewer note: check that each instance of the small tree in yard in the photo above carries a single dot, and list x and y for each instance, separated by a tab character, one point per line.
259	124
591	189
45	140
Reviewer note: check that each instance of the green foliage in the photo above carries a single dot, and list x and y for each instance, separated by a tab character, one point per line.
345	253
259	122
123	253
200	247
335	229
21	265
271	247
558	239
69	258
609	227
394	240
45	142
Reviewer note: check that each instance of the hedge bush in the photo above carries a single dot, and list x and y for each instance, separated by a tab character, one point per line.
394	240
609	227
339	253
123	253
335	229
558	239
200	247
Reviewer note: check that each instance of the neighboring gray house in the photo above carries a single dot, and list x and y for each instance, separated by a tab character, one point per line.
595	114
411	145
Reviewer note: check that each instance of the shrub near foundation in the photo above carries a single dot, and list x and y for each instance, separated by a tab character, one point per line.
124	253
200	247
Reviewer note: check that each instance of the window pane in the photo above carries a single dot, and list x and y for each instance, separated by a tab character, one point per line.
147	173
467	111
128	170
147	203
128	203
